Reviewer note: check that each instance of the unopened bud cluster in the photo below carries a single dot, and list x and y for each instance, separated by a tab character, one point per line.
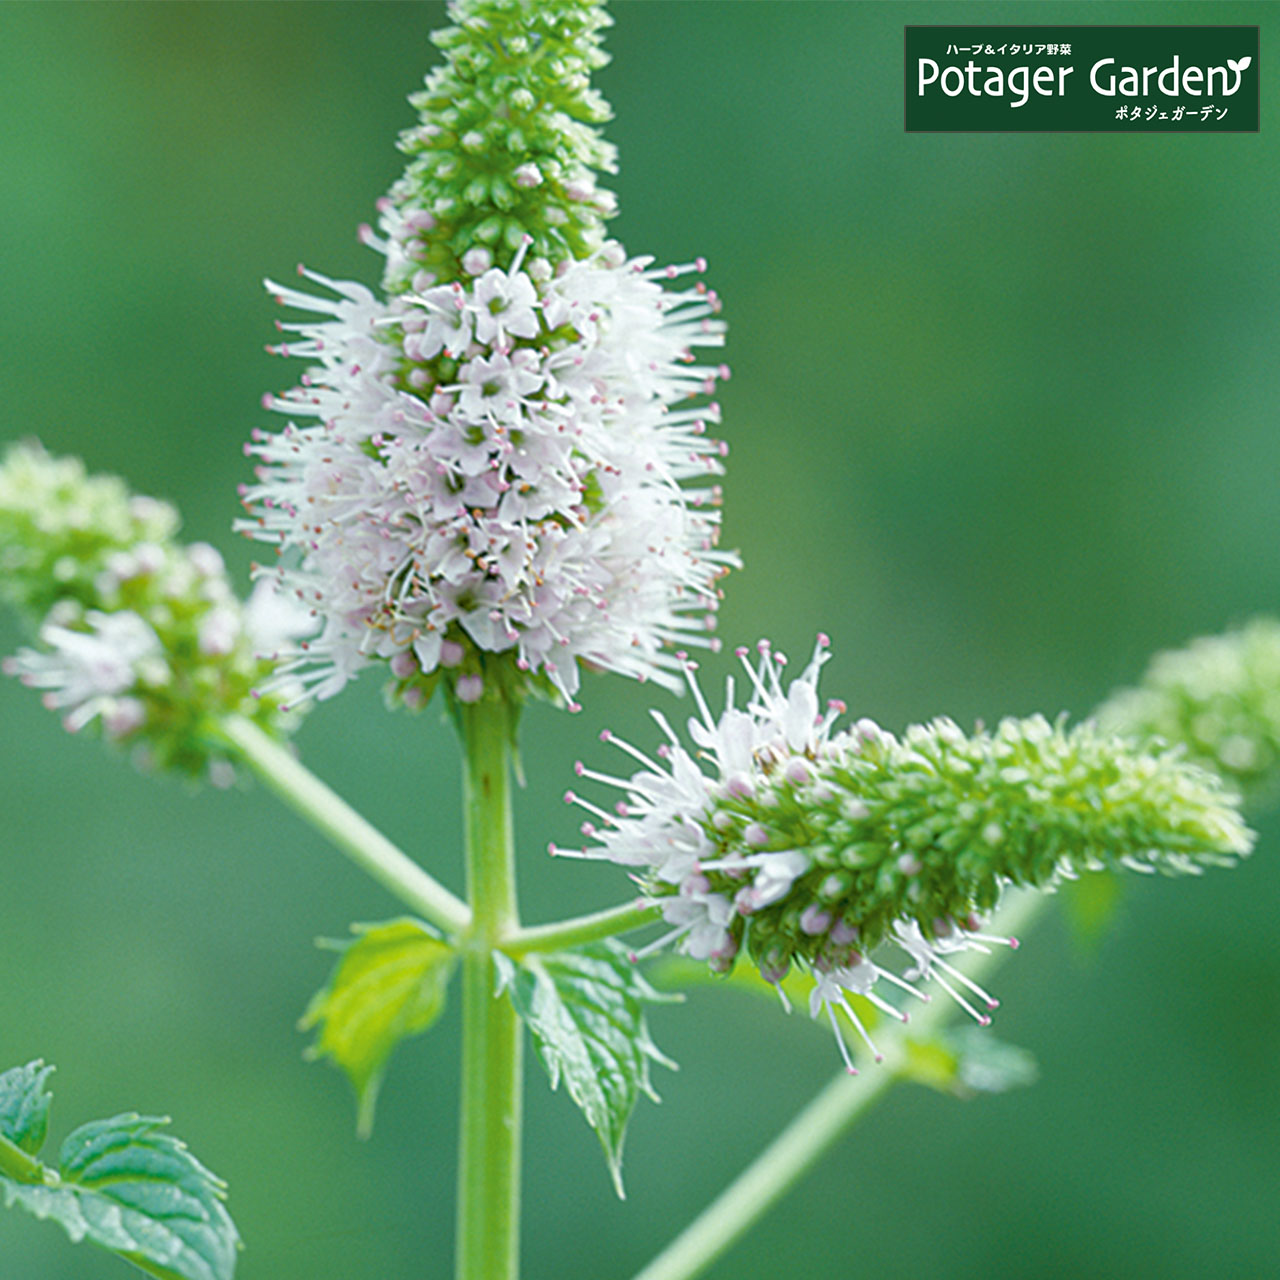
59	526
507	143
928	828
138	634
1220	699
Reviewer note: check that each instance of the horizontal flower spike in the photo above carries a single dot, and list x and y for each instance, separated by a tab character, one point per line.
776	835
928	828
142	638
508	453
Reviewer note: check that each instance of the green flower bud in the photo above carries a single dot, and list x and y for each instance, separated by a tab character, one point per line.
507	143
59	525
946	819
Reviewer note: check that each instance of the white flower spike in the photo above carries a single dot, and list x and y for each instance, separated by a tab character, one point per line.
507	452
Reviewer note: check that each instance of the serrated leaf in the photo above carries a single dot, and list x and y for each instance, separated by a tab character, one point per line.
585	1008
24	1105
139	1192
968	1061
389	984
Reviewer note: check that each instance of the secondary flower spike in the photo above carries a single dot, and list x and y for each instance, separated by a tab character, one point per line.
771	832
139	635
505	452
1220	698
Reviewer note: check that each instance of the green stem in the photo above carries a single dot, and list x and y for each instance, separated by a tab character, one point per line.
489	1138
367	847
18	1165
821	1124
579	929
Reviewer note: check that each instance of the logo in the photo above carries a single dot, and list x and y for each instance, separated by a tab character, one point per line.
1079	79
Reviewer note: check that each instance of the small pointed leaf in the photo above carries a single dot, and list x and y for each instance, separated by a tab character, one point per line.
389	984
991	1065
24	1105
585	1008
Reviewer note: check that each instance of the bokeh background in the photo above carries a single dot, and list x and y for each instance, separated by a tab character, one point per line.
1003	421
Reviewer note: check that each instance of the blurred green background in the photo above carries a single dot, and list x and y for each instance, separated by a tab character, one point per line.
1003	420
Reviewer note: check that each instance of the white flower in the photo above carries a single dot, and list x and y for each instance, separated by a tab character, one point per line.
664	825
85	672
274	622
504	304
445	324
927	962
495	389
829	993
773	874
547	497
219	631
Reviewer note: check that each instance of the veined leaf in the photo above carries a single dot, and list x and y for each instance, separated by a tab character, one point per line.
24	1105
126	1185
585	1008
389	984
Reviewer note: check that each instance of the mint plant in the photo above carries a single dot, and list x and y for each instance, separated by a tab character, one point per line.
495	483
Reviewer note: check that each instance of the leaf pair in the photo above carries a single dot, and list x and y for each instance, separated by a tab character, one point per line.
585	1009
122	1183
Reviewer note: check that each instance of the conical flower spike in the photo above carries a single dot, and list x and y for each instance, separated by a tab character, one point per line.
499	471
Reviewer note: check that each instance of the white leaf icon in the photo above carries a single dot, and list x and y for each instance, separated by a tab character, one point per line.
1239	64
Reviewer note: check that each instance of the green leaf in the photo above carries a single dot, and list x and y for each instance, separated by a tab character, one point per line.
24	1105
389	984
585	1008
121	1183
968	1061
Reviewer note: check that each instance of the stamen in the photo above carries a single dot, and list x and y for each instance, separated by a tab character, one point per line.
862	1031
990	1001
652	947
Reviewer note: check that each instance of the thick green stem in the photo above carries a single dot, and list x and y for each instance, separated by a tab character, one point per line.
367	847
821	1124
580	929
489	1139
